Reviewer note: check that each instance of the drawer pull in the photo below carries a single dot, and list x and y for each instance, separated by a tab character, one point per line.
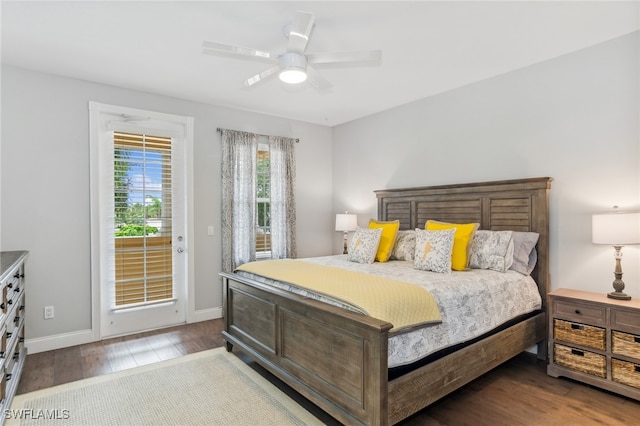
9	334
577	352
636	339
577	327
578	311
10	285
8	376
636	368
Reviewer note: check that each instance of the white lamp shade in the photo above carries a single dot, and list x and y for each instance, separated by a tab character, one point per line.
616	229
346	222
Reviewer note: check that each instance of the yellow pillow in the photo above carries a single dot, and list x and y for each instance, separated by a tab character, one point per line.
387	239
461	241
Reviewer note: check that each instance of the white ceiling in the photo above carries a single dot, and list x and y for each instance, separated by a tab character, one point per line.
427	47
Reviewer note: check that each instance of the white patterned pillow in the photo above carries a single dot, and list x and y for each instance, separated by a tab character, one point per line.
491	250
433	250
364	245
525	255
405	247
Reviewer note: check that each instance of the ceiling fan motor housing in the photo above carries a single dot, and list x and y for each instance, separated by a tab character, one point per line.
293	67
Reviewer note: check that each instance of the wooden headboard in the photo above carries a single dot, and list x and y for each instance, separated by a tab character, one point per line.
517	205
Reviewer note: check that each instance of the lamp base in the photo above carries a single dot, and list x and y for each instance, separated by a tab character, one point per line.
618	295
345	251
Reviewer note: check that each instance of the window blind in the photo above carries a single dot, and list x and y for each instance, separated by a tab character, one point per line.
142	221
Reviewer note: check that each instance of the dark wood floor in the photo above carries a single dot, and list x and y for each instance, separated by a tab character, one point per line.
517	393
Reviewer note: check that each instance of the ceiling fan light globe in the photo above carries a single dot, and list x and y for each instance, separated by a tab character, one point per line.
293	75
293	67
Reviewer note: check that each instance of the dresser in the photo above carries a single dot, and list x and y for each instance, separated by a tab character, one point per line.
12	351
595	340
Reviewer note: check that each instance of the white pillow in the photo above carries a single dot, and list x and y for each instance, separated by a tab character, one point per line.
405	246
364	245
525	255
491	250
433	250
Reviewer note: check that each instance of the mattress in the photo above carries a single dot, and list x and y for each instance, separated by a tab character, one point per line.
472	303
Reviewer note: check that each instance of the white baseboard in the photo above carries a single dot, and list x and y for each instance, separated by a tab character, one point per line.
57	341
205	314
65	340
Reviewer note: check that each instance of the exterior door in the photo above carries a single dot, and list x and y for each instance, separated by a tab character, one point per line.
142	228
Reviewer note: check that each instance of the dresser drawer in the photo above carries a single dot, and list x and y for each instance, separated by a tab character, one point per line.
581	312
3	341
579	360
580	334
625	344
627	373
626	320
3	303
3	384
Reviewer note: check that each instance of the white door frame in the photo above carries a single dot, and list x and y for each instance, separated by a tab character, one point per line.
102	117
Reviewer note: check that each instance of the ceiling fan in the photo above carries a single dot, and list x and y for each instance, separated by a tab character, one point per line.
294	65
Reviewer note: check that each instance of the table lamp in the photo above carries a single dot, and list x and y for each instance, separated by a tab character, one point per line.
346	222
616	229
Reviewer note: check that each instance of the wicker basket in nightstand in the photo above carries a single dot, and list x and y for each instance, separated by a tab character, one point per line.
580	334
595	340
627	373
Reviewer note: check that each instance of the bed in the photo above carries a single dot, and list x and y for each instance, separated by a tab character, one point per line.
275	327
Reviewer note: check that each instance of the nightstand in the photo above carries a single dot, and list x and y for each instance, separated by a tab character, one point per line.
595	340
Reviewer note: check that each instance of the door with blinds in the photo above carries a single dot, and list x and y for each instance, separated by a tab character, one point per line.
143	245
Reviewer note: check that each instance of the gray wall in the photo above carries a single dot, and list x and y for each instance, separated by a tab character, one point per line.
45	189
574	118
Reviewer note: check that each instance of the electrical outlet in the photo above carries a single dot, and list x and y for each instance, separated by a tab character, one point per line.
48	312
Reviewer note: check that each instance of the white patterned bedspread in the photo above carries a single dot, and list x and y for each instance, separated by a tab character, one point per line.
471	303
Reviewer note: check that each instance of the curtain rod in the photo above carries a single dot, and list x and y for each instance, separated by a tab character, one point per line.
259	134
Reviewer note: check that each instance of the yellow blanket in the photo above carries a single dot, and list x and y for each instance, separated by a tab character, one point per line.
402	304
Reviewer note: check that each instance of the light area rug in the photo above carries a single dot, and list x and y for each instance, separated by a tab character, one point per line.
213	387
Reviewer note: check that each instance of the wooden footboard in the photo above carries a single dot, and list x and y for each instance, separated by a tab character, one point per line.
336	359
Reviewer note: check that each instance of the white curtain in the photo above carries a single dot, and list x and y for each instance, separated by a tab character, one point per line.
239	179
282	204
239	158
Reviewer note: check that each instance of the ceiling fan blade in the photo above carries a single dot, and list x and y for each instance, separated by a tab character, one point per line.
342	57
300	31
261	76
318	81
214	48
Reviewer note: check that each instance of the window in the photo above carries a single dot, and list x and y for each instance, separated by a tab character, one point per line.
263	202
258	198
142	219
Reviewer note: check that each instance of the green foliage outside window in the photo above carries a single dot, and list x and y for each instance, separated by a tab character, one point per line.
129	219
134	230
